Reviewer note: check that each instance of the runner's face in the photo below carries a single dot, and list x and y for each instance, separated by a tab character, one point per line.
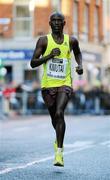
57	23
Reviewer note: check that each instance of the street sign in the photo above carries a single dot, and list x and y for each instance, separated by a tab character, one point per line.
5	20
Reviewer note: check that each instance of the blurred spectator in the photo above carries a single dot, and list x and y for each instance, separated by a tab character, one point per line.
19	92
27	99
7	92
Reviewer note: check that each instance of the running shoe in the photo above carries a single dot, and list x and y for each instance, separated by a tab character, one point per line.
59	160
55	146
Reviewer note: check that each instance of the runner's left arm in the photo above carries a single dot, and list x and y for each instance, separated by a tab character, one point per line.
74	45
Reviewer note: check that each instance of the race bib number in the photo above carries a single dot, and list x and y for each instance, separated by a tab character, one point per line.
57	68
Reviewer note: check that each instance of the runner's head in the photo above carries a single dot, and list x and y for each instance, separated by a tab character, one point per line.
57	22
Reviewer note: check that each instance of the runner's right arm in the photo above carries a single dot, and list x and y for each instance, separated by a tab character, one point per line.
41	46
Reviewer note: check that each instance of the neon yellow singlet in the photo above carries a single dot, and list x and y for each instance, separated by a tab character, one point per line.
57	71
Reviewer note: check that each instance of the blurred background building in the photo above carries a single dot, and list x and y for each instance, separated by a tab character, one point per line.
23	21
21	24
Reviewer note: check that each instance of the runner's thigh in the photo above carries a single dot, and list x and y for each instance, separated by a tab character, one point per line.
62	100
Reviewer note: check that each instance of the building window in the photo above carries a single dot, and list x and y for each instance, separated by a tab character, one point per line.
85	23
56	5
22	19
9	75
75	18
108	21
96	24
31	75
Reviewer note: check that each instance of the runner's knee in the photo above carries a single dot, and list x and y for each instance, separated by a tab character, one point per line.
59	115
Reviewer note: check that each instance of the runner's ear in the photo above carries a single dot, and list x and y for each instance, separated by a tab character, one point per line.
64	22
50	23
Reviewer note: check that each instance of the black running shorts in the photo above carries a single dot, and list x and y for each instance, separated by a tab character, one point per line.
49	94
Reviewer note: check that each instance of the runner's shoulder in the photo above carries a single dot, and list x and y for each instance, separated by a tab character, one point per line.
42	41
73	41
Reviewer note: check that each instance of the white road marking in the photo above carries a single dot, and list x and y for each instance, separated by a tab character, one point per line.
7	170
78	144
105	143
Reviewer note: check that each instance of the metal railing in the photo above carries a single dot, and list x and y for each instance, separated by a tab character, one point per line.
28	103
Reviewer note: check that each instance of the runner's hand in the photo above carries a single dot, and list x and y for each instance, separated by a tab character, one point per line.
79	69
55	52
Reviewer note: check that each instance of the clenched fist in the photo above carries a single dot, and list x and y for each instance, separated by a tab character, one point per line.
55	52
79	70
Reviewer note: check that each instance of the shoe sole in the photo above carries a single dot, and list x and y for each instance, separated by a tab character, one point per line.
58	164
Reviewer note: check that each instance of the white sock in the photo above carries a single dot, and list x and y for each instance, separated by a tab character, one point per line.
59	150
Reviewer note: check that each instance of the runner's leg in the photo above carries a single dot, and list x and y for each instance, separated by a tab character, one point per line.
61	102
52	111
50	101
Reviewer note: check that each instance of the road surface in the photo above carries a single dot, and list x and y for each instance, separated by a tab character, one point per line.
26	149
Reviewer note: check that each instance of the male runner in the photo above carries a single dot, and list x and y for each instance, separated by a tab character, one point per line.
54	52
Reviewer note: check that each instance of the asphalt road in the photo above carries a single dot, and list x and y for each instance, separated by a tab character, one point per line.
26	149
